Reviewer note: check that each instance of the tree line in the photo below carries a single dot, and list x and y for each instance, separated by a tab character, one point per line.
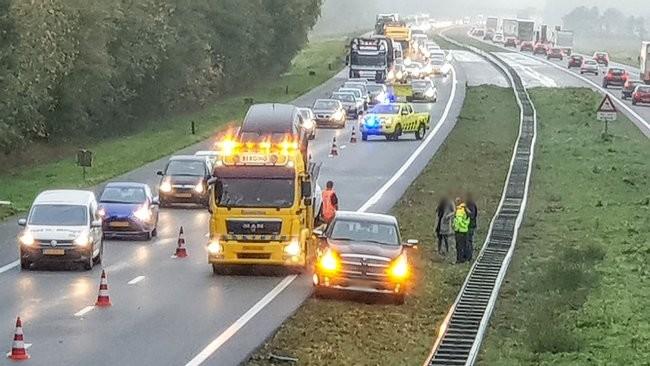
92	67
611	22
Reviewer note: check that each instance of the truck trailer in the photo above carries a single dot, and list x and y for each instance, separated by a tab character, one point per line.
510	28
526	30
645	62
491	24
563	39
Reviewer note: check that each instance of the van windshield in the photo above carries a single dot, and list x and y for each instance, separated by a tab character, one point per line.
59	215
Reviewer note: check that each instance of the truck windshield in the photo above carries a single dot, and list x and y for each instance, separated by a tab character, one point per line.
368	60
58	215
255	192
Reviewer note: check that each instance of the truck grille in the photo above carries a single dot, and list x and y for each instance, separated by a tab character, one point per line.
253	227
359	266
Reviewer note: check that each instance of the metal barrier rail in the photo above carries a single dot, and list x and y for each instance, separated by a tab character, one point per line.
463	329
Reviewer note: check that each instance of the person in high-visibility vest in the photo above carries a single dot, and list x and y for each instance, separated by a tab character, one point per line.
461	228
330	203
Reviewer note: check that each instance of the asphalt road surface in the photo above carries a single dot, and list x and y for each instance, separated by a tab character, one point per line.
176	312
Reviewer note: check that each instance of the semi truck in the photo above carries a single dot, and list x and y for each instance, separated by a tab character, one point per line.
400	33
382	20
371	58
543	34
526	30
645	62
510	28
264	196
563	39
491	24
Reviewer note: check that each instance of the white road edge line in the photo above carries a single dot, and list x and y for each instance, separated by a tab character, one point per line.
84	311
136	280
9	266
237	325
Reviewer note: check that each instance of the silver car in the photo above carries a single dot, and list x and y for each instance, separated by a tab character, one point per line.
308	122
590	67
352	106
424	90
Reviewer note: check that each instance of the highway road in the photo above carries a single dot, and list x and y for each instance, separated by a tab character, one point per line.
536	70
173	312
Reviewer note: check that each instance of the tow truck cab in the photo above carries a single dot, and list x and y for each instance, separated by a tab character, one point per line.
262	206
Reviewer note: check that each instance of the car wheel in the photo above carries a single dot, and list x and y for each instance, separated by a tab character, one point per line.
409	99
100	256
25	264
88	264
422	130
634	102
154	232
147	236
399	299
605	85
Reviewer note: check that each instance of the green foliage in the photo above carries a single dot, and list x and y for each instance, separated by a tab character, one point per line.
90	67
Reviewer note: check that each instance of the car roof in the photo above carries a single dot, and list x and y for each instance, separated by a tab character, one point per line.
268	117
328	100
65	196
125	184
343	93
187	157
365	216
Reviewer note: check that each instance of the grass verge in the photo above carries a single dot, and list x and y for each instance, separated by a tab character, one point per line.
116	156
345	332
577	290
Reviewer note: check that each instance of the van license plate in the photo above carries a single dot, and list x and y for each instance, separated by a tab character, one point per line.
54	251
119	224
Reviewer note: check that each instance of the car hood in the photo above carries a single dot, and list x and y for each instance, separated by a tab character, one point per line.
119	209
365	248
44	232
184	179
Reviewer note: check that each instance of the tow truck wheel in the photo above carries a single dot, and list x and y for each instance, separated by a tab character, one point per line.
364	136
398	132
421	131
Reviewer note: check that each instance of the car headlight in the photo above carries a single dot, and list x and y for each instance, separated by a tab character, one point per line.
198	188
399	269
142	213
391	74
400	74
214	247
165	186
82	240
293	248
26	238
429	93
308	124
329	261
338	114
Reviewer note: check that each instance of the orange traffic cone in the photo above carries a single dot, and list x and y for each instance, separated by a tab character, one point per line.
103	300
181	252
18	350
353	137
334	151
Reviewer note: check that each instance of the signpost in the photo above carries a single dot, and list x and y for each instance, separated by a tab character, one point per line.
607	111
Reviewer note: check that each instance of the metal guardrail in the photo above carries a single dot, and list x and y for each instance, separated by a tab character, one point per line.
463	329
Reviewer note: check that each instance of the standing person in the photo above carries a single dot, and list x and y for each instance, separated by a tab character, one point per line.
330	203
472	212
445	214
461	227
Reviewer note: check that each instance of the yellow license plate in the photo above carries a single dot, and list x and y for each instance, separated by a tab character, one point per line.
54	251
183	195
119	224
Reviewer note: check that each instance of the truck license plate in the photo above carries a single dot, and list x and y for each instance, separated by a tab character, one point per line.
54	251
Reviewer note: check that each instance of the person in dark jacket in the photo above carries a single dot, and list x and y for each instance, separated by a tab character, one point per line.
472	212
444	224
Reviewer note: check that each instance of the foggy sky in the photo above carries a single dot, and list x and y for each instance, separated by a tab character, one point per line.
346	15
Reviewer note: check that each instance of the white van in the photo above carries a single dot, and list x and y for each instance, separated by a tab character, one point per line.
63	226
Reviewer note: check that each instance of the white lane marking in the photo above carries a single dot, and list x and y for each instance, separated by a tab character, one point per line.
343	146
136	280
377	196
236	326
84	311
524	65
9	266
27	345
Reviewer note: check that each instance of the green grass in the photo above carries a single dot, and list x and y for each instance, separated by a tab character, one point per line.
345	332
119	155
622	50
577	289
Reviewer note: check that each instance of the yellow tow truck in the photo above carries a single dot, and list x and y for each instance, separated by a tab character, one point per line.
263	206
391	120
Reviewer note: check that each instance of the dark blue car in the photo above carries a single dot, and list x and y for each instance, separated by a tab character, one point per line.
128	210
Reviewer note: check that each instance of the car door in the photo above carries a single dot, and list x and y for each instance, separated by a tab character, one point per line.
95	232
411	122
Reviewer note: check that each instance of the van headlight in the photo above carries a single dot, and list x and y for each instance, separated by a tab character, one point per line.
199	187
214	247
165	186
26	238
429	93
82	240
293	248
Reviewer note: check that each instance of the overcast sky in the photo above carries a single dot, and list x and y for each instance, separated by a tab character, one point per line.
344	15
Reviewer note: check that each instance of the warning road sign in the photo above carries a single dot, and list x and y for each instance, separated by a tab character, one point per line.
607	110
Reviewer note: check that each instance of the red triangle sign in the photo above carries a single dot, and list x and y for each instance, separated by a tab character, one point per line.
607	105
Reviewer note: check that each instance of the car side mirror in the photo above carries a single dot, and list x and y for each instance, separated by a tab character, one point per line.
96	223
307	201
305	189
160	173
411	243
155	201
22	222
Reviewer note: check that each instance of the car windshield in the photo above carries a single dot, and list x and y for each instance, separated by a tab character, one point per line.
344	97
255	192
355	84
59	215
356	92
123	195
375	88
191	168
326	104
644	89
385	109
378	60
353	230
616	71
420	84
